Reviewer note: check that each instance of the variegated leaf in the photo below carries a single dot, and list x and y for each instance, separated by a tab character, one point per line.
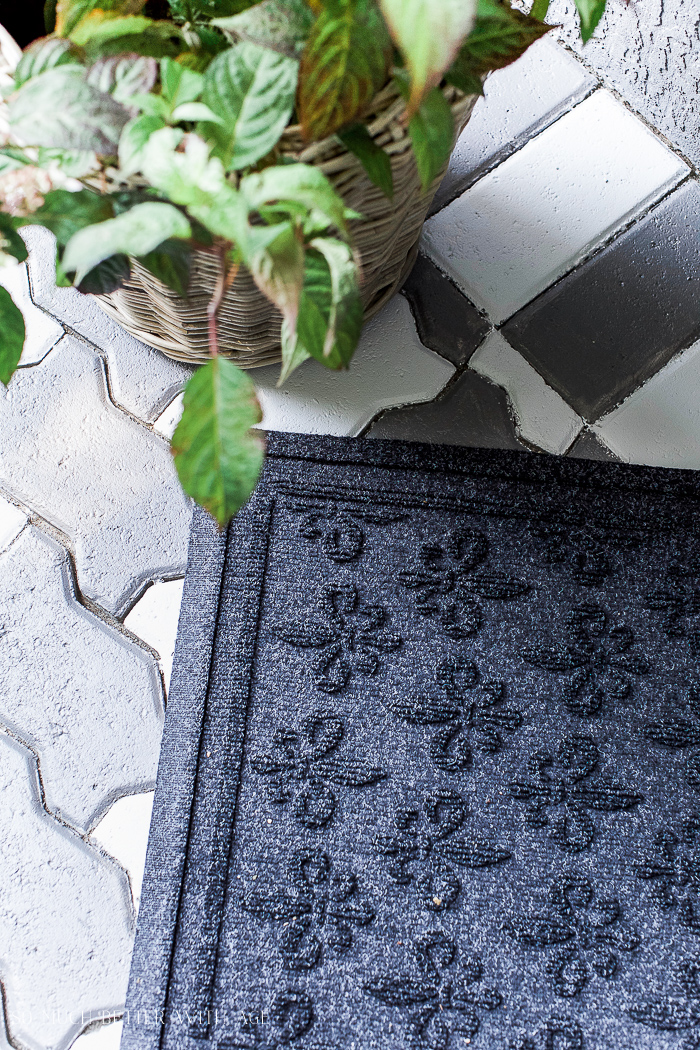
345	62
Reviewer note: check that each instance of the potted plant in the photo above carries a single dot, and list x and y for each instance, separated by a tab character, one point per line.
223	174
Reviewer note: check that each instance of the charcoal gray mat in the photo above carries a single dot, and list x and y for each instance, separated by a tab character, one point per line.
430	776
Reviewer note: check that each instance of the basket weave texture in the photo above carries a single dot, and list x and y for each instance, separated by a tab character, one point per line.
248	325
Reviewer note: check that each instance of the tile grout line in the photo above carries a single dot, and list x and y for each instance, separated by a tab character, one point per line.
691	176
69	331
84	836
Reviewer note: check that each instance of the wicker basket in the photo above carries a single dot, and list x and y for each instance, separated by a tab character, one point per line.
248	324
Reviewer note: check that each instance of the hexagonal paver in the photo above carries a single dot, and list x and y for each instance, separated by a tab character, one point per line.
42	332
12	521
390	367
154	618
104	480
141	379
123	833
85	698
66	922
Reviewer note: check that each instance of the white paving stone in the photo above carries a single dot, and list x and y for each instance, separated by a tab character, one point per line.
154	618
390	367
543	418
12	521
518	102
105	1036
66	921
526	223
123	833
83	696
42	332
103	479
659	424
166	423
141	379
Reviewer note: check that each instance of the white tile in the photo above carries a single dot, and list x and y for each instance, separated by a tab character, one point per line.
105	1036
390	367
166	423
141	379
42	332
154	618
106	481
659	424
123	833
531	219
12	521
66	921
83	696
518	102
543	418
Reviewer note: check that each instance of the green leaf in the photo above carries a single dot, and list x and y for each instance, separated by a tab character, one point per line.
11	336
374	160
133	140
151	105
64	212
277	268
106	277
217	458
123	75
59	108
10	241
50	16
431	130
251	89
288	186
496	40
190	177
76	163
99	26
191	111
170	263
345	63
590	14
194	10
282	25
330	313
428	33
179	85
294	353
43	54
70	12
539	9
111	32
134	232
11	158
346	313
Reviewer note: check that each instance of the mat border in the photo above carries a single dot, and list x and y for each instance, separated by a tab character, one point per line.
179	763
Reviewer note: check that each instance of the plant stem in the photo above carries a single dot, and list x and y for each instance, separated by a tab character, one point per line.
223	283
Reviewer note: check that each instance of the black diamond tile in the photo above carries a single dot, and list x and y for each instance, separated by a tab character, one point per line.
447	322
472	412
604	329
588	446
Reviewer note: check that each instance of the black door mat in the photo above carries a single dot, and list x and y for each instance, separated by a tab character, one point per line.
430	776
